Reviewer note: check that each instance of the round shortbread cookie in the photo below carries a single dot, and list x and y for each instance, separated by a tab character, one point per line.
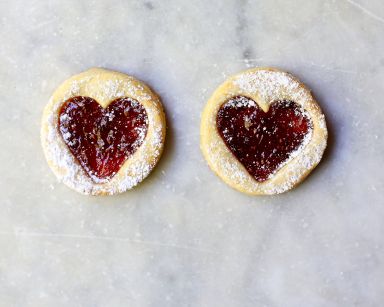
78	146
247	116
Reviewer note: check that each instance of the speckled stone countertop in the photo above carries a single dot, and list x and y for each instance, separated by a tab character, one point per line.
183	237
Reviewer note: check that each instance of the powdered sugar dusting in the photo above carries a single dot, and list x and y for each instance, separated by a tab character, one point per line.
70	170
142	167
240	102
307	160
271	85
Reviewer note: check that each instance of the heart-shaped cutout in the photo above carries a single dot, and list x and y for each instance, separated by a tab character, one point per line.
262	141
101	139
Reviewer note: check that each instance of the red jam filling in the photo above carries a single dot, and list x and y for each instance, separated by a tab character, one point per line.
100	138
262	141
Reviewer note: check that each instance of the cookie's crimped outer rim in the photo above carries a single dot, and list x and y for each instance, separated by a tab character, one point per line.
264	85
104	86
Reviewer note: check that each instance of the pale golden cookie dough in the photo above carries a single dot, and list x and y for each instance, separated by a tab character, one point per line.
104	86
264	86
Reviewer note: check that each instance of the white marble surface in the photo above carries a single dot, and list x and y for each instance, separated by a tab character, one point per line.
183	238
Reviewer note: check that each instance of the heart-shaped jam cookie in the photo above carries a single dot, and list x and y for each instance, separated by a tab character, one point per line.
100	138
262	141
262	131
103	132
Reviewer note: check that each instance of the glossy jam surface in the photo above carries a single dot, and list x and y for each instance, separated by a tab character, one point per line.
262	141
100	138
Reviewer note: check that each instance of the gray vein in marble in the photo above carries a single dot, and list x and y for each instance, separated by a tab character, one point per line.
31	234
366	11
241	31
